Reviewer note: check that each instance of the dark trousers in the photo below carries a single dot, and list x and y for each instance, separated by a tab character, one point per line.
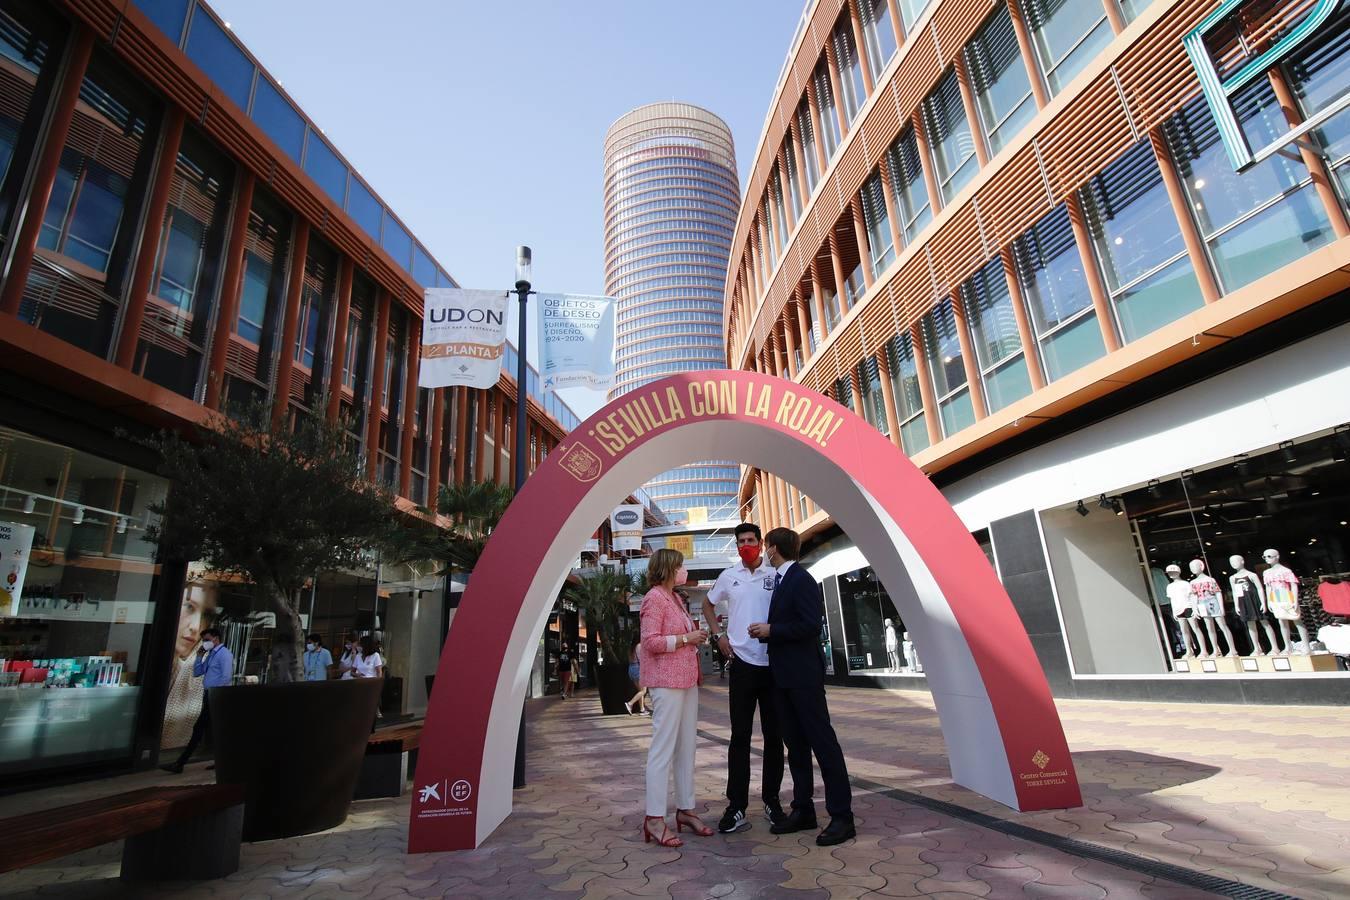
752	686
806	729
200	728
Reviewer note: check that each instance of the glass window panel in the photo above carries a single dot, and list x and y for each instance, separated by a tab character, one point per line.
956	412
914	435
1133	9
1163	297
879	34
1068	34
949	137
806	133
364	208
1002	86
266	244
904	371
26	47
397	242
423	270
911	191
168	16
1289	230
278	119
793	177
1007	384
1319	76
873	402
326	168
1051	271
220	58
910	10
942	348
1072	347
989	310
1130	217
850	68
829	119
878	222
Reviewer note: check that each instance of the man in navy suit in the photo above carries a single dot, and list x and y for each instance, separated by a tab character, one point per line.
793	637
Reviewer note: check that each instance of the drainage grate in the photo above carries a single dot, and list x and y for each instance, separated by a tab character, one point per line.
1223	887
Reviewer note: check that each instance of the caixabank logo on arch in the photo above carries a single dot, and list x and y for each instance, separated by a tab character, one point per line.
439	799
1240	43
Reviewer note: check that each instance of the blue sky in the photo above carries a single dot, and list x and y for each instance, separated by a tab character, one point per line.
482	123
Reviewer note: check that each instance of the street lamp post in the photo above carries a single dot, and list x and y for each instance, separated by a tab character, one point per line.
524	272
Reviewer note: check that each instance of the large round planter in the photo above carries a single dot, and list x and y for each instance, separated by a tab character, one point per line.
615	689
296	748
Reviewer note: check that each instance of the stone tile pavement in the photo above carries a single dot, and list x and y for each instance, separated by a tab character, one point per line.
1256	796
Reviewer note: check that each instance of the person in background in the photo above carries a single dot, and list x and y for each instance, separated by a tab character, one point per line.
369	663
350	650
317	659
184	703
565	671
668	657
636	704
215	667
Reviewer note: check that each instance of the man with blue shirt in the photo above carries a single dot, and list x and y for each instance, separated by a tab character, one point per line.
214	665
317	659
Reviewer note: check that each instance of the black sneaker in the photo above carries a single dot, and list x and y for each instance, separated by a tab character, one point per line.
733	820
773	811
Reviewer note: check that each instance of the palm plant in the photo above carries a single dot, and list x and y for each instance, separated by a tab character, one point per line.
474	508
603	597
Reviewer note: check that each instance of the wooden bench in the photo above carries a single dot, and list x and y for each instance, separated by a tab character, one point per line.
391	757
171	833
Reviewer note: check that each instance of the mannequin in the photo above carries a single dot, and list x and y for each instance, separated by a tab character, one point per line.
1282	599
1249	601
892	648
1208	601
1179	596
911	654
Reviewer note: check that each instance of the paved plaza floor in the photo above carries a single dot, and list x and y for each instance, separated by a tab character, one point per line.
1180	801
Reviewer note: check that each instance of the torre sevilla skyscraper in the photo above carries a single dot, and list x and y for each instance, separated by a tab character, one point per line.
671	195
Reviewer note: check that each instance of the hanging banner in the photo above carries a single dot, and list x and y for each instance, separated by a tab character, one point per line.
681	542
576	341
15	542
626	524
463	338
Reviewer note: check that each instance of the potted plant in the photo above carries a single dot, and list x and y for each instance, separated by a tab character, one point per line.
277	504
603	597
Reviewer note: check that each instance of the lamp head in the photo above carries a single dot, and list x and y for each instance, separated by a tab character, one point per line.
524	268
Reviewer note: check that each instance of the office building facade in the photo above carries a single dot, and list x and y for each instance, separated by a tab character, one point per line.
1011	234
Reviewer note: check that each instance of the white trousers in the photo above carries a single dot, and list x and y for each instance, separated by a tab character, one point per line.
674	730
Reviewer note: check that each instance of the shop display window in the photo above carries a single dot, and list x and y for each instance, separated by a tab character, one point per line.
874	635
75	620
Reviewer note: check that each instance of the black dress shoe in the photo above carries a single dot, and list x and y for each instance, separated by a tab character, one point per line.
836	832
797	820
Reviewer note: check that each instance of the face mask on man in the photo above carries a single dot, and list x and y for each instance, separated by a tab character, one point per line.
749	553
208	644
311	646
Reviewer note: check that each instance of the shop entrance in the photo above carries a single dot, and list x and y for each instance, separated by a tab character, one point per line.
1003	735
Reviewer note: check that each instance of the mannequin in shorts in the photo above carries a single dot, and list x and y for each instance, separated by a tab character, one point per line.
1208	601
1249	599
1282	600
1179	596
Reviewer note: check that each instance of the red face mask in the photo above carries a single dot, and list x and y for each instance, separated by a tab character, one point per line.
749	554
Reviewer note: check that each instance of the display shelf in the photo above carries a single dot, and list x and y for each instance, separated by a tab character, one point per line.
1256	665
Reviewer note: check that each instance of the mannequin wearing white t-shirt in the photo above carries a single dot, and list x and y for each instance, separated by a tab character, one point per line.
1179	596
1282	599
1207	597
892	648
1240	583
911	654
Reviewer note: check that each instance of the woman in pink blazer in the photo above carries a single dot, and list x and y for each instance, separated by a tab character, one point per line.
668	657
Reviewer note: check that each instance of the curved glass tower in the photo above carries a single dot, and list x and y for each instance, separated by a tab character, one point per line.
671	196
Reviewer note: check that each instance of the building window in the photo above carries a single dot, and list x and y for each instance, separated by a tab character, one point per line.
793	179
946	367
364	208
397	242
183	292
1050	271
1002	86
949	137
1068	34
843	392
248	363
1133	9
850	68
879	35
873	402
357	356
220	57
26	45
910	10
911	192
993	330
776	189
326	168
806	133
829	119
1319	77
278	119
313	334
1258	221
1138	244
904	374
878	222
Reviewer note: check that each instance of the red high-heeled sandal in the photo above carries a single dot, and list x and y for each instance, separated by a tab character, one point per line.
685	817
666	839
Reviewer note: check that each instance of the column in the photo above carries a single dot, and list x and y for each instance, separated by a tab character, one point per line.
437	429
790	345
1038	91
763	504
133	310
461	434
786	183
930	407
897	24
405	450
500	473
1321	176
839	281
1030	349
972	365
291	321
926	162
381	338
968	102
803	189
480	436
832	67
813	109
1114	16
818	298
803	329
1190	234
888	398
892	205
228	306
47	163
1093	273
864	244
860	39
855	386
346	270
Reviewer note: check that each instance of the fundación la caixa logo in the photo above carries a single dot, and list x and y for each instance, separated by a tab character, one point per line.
1242	41
444	798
